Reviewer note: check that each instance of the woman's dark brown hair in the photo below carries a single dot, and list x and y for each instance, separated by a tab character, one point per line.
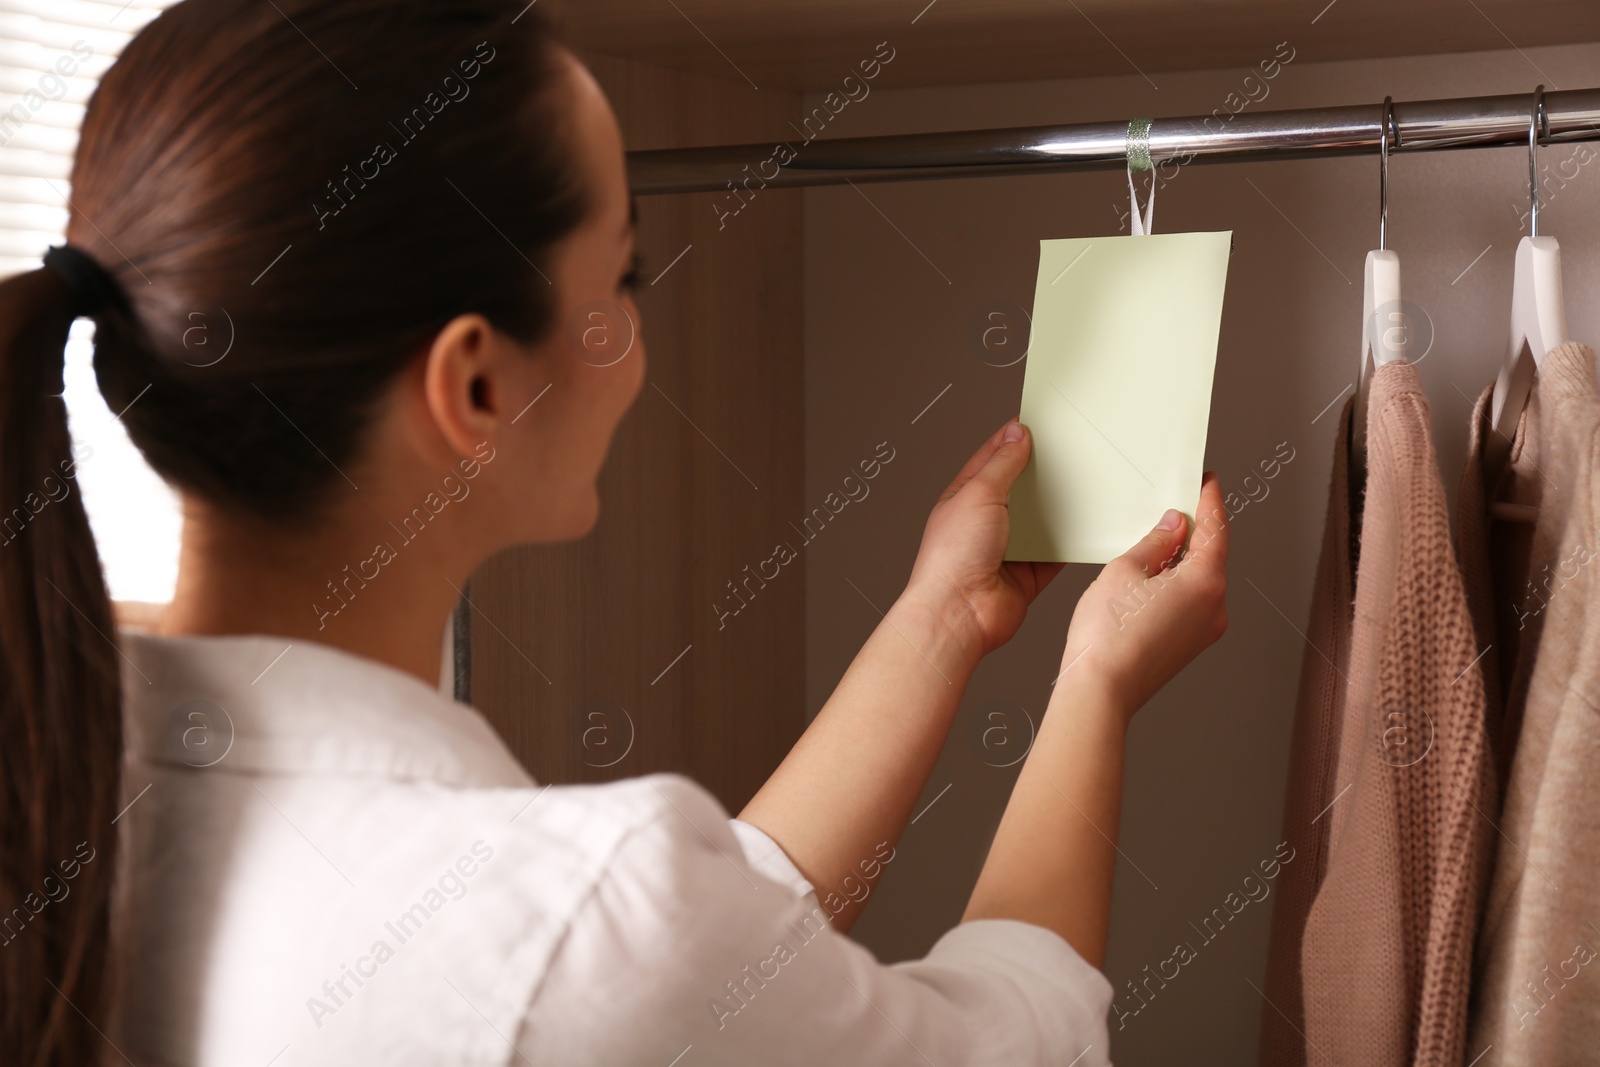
294	198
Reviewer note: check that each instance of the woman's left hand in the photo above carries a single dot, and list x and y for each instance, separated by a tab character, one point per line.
961	567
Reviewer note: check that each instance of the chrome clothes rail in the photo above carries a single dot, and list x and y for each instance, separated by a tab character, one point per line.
1423	125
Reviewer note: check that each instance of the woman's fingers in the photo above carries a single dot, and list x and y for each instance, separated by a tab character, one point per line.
1031	578
1209	545
1158	546
1141	621
977	462
992	482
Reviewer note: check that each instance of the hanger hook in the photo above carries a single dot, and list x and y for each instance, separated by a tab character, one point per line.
1539	119
1383	169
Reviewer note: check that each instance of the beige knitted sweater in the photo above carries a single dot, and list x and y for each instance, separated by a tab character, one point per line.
1536	994
1386	950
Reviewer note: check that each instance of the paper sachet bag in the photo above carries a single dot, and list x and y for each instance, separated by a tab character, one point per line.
1117	390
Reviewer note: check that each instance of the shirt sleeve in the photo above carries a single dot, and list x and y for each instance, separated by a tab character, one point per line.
702	941
765	855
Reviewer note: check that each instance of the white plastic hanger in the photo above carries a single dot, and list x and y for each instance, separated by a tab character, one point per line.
1383	334
1538	324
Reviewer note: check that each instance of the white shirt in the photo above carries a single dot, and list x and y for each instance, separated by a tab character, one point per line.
326	861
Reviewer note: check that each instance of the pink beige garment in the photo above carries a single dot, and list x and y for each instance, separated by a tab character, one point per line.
1495	559
1387	949
1319	709
1536	993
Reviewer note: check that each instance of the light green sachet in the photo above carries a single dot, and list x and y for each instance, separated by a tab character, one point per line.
1117	390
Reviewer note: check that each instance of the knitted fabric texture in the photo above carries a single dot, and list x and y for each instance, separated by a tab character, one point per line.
1535	994
1387	949
1319	709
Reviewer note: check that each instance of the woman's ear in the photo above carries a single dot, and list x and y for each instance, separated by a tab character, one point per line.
461	382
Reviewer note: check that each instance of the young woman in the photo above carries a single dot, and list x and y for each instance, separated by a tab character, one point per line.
399	203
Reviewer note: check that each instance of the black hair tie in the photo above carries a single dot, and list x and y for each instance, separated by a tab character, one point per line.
92	287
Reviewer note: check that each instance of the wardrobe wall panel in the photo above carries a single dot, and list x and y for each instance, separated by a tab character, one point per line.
813	44
607	657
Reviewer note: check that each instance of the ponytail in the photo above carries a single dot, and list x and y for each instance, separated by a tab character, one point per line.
60	703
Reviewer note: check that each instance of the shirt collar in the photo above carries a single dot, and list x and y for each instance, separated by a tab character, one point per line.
267	705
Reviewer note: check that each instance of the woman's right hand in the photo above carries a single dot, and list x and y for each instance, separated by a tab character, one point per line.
1143	620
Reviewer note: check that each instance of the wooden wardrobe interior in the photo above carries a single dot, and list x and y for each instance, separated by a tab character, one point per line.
573	646
569	643
784	345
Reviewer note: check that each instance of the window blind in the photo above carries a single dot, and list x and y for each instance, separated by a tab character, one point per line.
52	55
